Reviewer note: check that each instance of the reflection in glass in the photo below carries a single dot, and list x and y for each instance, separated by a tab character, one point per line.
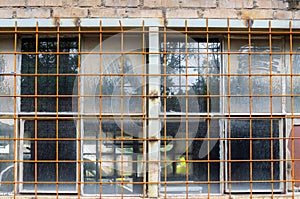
55	160
255	161
119	77
184	159
293	84
189	74
6	85
47	67
112	152
253	73
7	154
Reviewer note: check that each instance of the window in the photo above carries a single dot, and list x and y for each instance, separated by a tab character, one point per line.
48	67
135	108
191	89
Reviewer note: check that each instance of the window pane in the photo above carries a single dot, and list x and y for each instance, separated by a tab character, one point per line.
7	155
48	67
251	86
6	78
189	67
112	81
112	155
253	154
190	153
47	160
293	80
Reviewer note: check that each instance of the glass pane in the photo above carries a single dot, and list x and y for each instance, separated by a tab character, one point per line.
112	152
189	75
6	78
250	149
6	157
48	66
293	81
112	81
251	87
190	153
54	161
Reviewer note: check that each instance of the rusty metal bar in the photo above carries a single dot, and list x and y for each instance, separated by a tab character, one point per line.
154	158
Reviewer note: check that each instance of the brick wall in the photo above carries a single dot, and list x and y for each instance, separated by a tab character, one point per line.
238	9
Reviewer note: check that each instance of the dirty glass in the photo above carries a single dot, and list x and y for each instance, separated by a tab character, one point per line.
112	156
56	74
188	155
255	81
253	154
191	75
119	82
6	74
6	154
48	161
293	80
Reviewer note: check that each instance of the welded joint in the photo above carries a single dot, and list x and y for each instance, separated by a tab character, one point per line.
153	139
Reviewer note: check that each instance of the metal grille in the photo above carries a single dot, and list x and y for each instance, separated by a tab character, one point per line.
148	111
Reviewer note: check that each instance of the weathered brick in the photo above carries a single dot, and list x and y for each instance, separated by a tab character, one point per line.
182	13
15	3
153	3
55	3
89	3
36	3
197	3
144	13
236	4
6	13
220	13
296	14
162	3
283	14
122	3
107	12
33	13
270	4
69	12
68	3
257	14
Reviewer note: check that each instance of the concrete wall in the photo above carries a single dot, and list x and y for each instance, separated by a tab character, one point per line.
237	9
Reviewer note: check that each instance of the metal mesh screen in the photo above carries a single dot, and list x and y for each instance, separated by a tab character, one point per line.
149	112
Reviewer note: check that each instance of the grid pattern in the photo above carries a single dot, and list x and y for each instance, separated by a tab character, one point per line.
149	112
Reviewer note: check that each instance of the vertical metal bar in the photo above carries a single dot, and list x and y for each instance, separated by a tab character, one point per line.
79	119
250	119
186	56
271	109
56	109
165	105
208	108
100	109
153	114
228	107
35	110
15	111
292	155
122	106
144	120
